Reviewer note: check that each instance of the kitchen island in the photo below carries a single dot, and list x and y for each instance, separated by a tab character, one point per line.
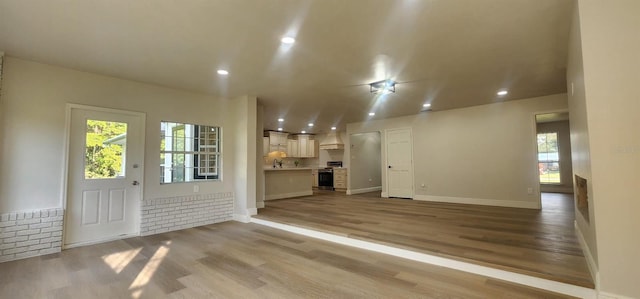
287	182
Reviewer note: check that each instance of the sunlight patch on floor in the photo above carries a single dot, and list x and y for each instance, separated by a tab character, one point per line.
149	269
119	260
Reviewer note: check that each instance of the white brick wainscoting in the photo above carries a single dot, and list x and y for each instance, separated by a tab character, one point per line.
27	234
174	213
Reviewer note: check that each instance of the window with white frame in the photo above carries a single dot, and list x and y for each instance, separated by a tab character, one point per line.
548	158
189	152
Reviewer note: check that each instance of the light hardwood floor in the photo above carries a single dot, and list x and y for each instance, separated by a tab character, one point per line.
236	260
539	243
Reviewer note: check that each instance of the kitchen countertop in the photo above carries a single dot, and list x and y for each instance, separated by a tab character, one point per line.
286	168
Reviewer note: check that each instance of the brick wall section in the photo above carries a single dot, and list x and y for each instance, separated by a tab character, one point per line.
27	234
175	213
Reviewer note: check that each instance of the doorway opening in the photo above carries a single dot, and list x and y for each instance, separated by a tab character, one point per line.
365	163
554	159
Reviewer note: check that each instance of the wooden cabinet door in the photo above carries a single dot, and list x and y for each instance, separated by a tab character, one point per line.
292	148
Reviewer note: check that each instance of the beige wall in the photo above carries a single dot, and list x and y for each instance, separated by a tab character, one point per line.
564	150
580	148
259	158
365	161
610	37
243	130
33	127
482	154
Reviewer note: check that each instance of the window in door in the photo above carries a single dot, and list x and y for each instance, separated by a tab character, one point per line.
548	158
105	149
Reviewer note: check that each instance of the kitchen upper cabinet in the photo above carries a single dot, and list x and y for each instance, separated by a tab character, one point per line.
306	146
312	150
292	148
277	141
265	146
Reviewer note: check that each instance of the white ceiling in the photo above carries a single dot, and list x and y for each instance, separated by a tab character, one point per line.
452	53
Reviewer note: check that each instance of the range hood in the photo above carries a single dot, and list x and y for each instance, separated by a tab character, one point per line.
332	142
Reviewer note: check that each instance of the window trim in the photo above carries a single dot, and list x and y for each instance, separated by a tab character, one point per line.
192	152
559	182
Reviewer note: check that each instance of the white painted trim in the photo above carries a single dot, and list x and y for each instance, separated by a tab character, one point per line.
260	204
288	195
605	295
252	211
364	190
536	282
384	194
241	218
93	242
480	201
556	189
591	262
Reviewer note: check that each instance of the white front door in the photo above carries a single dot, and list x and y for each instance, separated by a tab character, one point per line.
399	146
106	153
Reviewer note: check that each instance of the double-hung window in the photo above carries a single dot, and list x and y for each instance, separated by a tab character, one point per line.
189	152
548	158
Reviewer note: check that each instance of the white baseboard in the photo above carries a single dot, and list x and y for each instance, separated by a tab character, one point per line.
242	218
591	262
536	282
260	204
480	201
556	189
98	241
363	190
245	218
384	194
605	295
288	195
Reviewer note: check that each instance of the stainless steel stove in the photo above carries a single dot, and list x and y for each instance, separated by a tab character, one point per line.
325	175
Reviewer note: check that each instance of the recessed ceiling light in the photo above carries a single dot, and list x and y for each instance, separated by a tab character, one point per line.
280	119
426	105
333	128
303	131
310	124
279	129
223	72
502	92
288	40
371	114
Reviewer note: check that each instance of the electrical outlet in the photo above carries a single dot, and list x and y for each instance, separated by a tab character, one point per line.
423	186
196	188
530	190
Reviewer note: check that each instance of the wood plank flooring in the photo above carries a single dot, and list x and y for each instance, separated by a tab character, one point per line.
539	243
236	260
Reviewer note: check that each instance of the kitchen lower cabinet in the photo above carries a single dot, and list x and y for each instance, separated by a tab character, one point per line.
340	179
314	178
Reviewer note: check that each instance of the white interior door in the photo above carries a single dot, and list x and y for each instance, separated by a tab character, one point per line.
106	151
399	147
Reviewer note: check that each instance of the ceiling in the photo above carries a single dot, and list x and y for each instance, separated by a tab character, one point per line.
450	53
552	117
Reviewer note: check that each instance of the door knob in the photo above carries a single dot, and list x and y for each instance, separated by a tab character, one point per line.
136	183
